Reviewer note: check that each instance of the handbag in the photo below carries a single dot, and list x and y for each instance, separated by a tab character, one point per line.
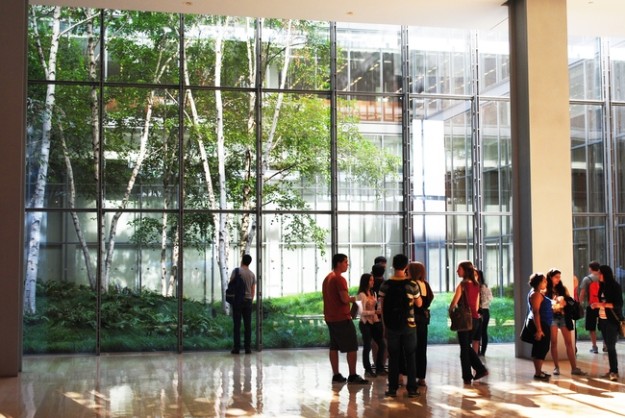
573	309
621	323
461	318
355	310
528	331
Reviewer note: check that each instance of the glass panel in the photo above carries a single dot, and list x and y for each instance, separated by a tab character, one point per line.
139	279
368	58
369	159
141	148
619	270
296	54
617	75
59	289
442	153
440	242
585	68
237	61
494	63
75	55
142	47
440	60
496	157
589	242
296	151
588	172
61	171
207	323
498	257
619	161
297	255
364	237
220	150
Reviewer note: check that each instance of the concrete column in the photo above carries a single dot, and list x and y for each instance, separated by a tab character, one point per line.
13	20
541	150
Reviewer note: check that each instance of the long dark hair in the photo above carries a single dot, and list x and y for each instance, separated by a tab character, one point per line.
608	275
416	271
364	283
468	270
559	288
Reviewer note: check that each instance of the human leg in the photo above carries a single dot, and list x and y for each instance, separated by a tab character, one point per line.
568	344
464	340
484	339
377	334
610	335
237	313
394	351
334	361
554	349
409	344
247	324
365	332
421	356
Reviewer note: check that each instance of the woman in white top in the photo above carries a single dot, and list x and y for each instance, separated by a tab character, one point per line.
485	297
370	326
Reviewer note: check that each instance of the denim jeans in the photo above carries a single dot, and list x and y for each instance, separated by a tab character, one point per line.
372	332
609	331
401	345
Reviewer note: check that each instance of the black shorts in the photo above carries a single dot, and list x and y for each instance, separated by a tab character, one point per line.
541	347
591	319
343	336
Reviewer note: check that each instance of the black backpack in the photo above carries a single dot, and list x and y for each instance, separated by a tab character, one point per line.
396	305
235	292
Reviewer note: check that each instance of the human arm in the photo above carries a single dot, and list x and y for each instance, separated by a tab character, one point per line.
535	302
456	298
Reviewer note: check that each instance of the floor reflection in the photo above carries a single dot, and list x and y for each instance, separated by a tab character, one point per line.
296	383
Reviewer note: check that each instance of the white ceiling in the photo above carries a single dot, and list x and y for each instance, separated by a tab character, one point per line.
585	17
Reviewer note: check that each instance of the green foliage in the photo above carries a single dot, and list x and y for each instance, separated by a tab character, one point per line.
143	320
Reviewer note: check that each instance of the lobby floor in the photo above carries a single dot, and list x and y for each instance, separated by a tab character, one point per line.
296	383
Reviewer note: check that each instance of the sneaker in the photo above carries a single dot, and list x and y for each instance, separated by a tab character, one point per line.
613	377
370	373
594	349
356	379
234	351
578	372
413	393
391	393
481	374
421	382
248	351
467	382
556	371
382	373
338	378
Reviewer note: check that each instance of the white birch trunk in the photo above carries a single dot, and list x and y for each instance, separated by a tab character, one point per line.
221	232
35	218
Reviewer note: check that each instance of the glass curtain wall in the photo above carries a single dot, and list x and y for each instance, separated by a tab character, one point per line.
161	148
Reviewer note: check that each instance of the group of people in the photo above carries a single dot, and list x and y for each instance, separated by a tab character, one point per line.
547	300
394	319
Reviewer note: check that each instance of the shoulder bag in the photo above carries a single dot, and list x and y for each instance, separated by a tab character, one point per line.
461	319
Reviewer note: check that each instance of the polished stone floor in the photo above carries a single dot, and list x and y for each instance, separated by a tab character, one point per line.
296	383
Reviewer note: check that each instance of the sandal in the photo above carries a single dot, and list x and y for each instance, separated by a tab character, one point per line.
542	376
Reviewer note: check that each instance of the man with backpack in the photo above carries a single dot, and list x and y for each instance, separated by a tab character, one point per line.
244	282
397	296
589	294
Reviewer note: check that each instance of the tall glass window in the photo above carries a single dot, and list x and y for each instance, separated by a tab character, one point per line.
160	154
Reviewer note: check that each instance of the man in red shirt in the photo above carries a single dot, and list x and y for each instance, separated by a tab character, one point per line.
343	337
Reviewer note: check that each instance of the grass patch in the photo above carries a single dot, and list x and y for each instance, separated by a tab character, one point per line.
132	321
